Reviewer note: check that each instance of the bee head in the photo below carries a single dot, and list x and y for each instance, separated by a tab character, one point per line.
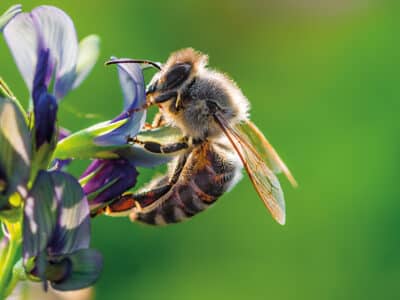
178	71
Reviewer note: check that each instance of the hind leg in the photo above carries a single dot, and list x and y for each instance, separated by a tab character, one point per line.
148	200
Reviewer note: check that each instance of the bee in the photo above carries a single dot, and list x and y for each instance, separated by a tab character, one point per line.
218	140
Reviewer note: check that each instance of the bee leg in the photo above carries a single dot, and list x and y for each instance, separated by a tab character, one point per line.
155	147
126	202
158	121
146	201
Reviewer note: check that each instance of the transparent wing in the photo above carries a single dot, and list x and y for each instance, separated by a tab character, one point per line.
264	148
264	180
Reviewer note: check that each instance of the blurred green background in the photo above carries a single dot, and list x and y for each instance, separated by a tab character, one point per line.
323	80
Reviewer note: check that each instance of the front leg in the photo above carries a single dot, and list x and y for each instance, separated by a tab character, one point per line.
159	148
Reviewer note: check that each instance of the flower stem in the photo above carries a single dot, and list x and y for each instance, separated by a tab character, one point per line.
3	251
6	91
17	275
7	263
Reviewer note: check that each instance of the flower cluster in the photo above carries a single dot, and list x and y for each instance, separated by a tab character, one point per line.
43	209
46	210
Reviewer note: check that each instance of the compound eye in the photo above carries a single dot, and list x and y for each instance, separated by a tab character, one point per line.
176	75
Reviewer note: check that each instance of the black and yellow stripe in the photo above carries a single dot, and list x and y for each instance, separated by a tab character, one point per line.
204	178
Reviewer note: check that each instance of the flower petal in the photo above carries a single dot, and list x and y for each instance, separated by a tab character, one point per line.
132	84
119	136
15	149
89	50
57	33
22	39
44	104
133	89
9	14
85	268
72	231
40	213
45	118
108	180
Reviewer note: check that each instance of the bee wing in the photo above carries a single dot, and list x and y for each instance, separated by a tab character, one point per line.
264	148
264	180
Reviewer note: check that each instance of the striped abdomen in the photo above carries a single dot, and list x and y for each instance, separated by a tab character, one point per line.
206	175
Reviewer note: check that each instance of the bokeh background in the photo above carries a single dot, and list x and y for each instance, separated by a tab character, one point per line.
323	80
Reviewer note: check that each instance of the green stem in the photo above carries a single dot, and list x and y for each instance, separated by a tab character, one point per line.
6	91
17	275
3	252
6	266
11	285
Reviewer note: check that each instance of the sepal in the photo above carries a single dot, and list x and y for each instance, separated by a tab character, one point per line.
82	144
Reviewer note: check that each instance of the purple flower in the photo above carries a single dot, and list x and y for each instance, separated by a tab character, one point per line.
45	48
57	233
107	179
100	140
104	180
56	228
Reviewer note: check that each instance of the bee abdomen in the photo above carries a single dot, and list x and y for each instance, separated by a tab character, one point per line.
205	177
186	200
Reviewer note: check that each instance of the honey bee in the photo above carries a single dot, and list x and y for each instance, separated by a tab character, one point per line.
218	140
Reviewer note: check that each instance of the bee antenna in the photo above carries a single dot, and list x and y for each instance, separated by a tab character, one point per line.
153	64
